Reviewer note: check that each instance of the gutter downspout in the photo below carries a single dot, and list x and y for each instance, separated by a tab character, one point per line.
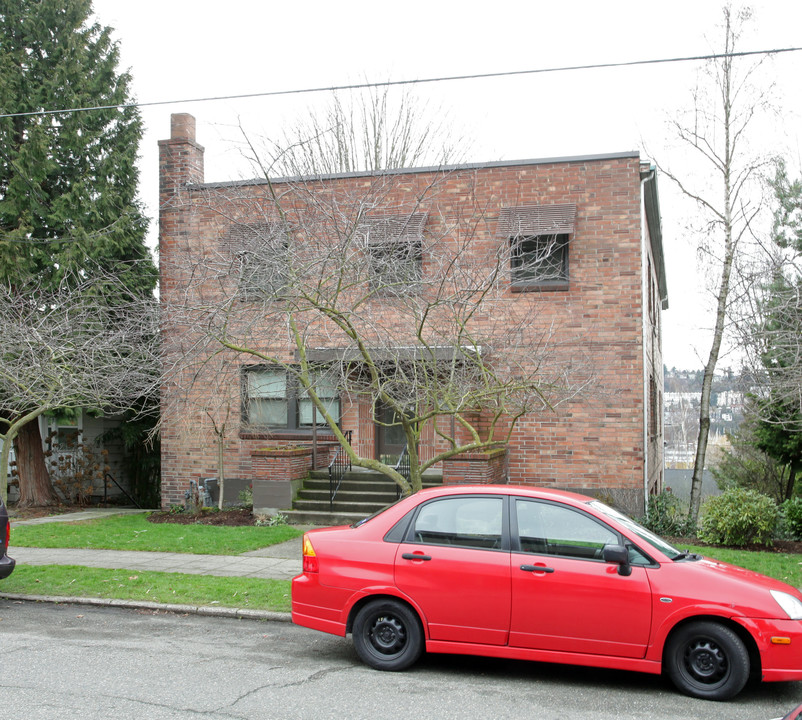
648	177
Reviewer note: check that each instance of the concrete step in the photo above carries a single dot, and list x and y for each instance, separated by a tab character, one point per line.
365	508
361	493
367	486
320	518
361	475
385	496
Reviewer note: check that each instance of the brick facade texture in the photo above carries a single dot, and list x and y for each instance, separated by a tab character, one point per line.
600	442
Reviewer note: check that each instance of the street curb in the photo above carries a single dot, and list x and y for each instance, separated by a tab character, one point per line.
240	613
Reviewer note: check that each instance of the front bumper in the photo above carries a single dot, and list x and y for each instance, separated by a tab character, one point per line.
780	661
6	566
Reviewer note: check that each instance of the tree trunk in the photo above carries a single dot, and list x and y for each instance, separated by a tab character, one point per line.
723	297
710	368
35	488
793	470
221	481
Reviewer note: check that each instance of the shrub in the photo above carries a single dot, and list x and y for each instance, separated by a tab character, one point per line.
739	517
792	512
246	497
666	516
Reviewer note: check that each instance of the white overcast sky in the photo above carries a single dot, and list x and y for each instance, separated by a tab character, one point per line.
183	49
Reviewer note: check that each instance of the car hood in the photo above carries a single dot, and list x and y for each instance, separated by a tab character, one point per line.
744	592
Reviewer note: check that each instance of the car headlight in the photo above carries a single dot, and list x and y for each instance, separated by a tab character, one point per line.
790	605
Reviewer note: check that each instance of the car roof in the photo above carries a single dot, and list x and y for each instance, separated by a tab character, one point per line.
530	491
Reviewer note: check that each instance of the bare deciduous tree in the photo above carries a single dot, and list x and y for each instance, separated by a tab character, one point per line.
716	131
372	129
68	348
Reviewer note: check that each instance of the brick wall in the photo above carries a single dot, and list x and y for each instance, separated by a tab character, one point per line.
595	441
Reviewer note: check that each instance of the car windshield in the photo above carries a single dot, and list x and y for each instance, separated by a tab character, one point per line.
647	535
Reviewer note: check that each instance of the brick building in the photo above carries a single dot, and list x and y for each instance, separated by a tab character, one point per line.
574	249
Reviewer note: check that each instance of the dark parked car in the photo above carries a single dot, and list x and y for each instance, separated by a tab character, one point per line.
6	563
795	714
517	572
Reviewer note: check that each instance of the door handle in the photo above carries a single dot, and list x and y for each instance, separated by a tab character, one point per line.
537	568
415	556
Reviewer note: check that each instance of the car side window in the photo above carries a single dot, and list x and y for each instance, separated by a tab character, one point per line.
548	529
474	522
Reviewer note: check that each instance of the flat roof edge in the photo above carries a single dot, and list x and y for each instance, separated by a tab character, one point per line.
429	169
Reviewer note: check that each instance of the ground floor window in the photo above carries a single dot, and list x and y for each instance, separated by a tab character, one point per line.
275	398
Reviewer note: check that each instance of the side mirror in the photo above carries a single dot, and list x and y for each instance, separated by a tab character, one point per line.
620	555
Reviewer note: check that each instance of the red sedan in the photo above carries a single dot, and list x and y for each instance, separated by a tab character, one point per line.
517	572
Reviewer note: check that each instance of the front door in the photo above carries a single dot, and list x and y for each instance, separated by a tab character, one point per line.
390	438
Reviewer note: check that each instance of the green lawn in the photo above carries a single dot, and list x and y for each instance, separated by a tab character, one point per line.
134	532
77	581
782	566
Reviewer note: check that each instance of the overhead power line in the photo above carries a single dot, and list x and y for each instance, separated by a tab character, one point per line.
392	83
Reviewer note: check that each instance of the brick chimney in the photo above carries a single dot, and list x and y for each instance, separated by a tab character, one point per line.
180	158
180	165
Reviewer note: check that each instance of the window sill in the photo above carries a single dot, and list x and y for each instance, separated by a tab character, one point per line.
323	434
523	287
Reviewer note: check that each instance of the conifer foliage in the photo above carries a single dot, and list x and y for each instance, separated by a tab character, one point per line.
68	180
69	210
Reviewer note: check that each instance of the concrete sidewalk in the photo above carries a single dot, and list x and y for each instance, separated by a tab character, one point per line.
281	562
247	565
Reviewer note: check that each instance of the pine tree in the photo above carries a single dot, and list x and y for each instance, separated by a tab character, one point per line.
68	180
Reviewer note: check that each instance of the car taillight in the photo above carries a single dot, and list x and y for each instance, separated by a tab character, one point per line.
8	534
310	558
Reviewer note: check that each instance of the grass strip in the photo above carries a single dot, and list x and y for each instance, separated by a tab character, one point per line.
134	532
159	587
782	566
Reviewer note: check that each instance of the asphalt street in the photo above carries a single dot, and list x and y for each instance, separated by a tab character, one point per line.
65	662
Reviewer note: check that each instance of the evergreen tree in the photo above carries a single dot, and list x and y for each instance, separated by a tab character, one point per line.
775	337
68	180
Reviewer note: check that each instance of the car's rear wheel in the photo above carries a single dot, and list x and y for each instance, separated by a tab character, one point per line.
707	660
387	635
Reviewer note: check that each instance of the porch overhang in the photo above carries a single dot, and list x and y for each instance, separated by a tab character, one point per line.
400	353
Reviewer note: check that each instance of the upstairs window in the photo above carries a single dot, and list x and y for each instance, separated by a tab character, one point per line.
538	237
394	245
261	252
539	259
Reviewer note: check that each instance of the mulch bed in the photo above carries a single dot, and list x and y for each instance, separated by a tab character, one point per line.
237	517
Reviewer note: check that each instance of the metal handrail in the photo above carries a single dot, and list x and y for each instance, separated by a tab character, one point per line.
402	467
340	464
106	477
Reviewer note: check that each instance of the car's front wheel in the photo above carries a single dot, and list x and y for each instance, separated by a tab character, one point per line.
387	635
707	660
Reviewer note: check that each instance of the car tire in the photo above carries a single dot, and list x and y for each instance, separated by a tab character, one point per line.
387	635
707	660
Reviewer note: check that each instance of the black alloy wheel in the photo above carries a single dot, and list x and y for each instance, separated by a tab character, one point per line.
706	659
387	635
